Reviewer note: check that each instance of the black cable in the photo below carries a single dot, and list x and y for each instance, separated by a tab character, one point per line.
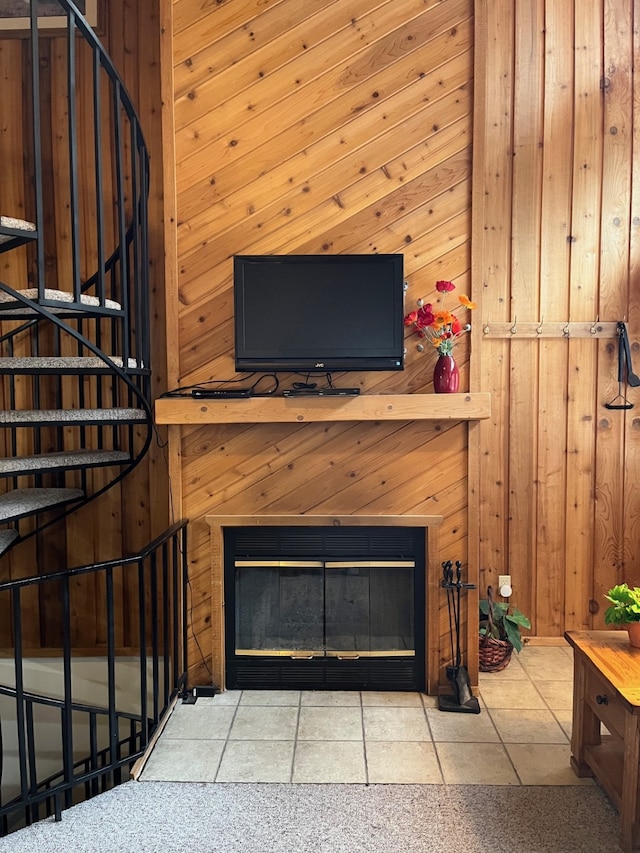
276	385
172	517
306	384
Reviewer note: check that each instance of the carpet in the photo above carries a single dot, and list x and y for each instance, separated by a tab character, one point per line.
249	818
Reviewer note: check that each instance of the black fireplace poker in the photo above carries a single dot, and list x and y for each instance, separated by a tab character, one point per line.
462	700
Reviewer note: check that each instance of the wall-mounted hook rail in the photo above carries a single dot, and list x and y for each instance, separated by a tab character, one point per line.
542	329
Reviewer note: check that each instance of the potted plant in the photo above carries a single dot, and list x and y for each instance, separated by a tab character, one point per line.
624	610
500	632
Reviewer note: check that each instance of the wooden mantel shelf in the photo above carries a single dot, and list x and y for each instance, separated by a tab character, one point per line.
366	407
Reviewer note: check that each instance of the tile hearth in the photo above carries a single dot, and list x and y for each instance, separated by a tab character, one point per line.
521	736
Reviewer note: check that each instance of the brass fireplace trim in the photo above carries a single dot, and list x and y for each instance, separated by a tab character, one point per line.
430	524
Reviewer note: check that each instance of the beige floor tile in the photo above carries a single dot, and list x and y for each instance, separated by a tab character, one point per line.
205	722
511	694
270	697
551	652
264	723
523	706
227	697
403	763
534	658
475	764
387	699
461	728
544	764
559	667
330	724
329	698
557	694
565	720
326	761
514	671
256	761
183	761
527	726
395	724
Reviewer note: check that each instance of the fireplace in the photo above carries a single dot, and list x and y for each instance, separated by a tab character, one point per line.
325	602
325	607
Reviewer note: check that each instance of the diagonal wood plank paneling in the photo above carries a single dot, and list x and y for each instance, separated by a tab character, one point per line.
316	128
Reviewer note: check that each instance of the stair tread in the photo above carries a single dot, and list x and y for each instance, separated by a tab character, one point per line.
20	502
61	459
6	538
19	224
15	416
61	362
16	225
56	296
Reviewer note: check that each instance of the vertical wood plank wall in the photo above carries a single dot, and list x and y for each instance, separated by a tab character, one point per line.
318	128
556	239
131	514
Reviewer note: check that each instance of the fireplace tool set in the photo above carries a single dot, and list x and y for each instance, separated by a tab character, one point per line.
462	700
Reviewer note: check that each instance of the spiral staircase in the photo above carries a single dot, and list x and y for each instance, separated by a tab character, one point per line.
75	410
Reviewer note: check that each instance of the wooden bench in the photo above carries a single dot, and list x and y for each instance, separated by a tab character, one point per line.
606	691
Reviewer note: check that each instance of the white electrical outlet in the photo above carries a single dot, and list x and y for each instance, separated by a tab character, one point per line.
504	585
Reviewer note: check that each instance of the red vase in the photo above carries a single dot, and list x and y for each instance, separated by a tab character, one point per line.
446	378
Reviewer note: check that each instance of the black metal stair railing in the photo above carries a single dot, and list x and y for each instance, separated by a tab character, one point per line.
144	606
74	298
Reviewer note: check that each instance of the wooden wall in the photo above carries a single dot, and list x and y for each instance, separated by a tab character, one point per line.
128	516
556	239
309	128
349	127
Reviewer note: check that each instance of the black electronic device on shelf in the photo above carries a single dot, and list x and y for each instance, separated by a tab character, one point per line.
318	313
321	392
221	393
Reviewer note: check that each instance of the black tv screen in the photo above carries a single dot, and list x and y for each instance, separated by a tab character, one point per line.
325	313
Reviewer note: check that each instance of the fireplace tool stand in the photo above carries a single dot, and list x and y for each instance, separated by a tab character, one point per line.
462	701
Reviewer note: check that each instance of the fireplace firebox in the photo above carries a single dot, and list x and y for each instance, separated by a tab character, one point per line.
325	607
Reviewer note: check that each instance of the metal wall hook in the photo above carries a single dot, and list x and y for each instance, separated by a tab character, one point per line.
514	328
594	327
486	327
539	329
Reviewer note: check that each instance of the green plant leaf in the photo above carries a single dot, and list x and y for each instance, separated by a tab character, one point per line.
625	605
518	618
513	634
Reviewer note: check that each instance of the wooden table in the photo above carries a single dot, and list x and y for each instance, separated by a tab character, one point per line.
606	689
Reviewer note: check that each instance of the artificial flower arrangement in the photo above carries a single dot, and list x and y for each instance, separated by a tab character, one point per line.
441	327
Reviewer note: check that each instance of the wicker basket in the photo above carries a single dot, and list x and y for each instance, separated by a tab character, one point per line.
494	654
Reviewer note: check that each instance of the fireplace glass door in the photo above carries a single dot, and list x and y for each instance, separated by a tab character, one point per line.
344	609
369	609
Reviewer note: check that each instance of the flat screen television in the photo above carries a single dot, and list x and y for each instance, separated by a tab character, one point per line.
318	313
